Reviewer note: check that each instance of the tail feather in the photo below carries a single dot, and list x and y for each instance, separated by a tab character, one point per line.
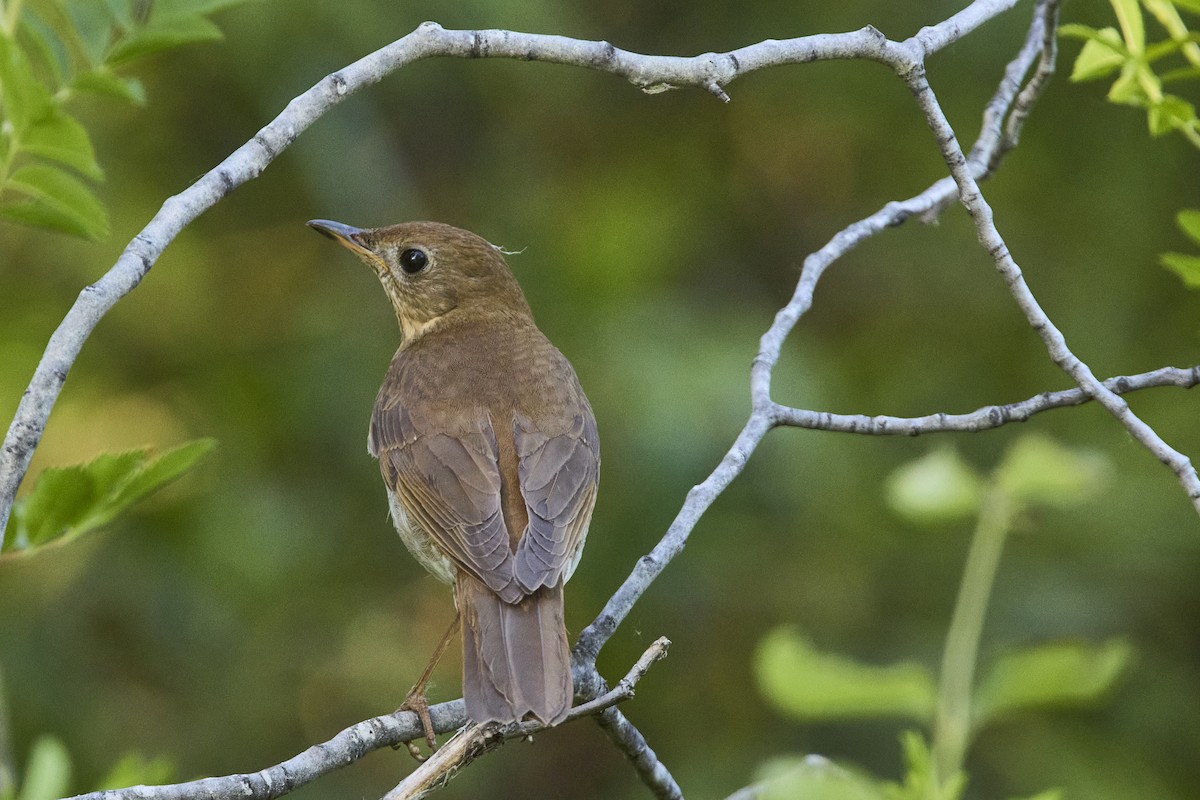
515	656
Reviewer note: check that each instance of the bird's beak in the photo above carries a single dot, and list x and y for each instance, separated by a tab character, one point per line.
346	235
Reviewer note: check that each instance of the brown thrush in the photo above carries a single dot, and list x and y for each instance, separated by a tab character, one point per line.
488	448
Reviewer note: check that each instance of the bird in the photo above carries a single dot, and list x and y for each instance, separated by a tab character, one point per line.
489	452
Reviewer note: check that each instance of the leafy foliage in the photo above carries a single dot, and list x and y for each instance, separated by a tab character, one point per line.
1141	83
807	684
67	502
1127	53
52	51
1186	266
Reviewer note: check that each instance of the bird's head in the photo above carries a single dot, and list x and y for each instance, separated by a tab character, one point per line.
429	270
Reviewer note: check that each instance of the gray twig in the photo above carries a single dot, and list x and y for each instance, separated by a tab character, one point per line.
356	741
764	413
1003	119
981	419
476	740
912	71
709	71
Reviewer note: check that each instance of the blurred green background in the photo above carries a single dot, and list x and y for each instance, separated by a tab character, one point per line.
263	603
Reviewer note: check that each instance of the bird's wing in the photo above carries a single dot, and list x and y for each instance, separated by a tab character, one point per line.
559	475
450	485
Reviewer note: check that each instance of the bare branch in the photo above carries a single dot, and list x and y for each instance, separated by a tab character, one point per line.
389	730
1056	344
710	71
762	418
981	419
476	740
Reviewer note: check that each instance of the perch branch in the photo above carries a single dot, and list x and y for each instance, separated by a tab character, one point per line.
355	742
981	419
1056	344
476	740
994	138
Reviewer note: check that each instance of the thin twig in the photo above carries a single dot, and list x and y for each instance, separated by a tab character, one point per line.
1056	344
709	71
981	419
476	740
348	746
762	417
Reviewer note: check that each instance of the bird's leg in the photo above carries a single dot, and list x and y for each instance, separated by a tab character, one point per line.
416	701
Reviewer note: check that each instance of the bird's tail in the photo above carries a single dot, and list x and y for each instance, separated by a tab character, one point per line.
515	656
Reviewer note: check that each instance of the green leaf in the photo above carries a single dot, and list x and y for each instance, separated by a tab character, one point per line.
161	470
814	778
1187	267
920	774
808	684
1133	29
1169	114
24	98
159	36
1188	221
103	82
1128	89
58	136
937	487
61	498
1100	56
48	771
67	502
1037	470
1188	5
57	200
1050	675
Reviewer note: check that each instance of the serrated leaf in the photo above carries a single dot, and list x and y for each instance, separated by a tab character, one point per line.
1188	221
1169	114
1037	470
48	771
67	502
1133	29
1100	56
57	200
159	36
25	99
163	469
1187	267
61	498
103	82
1054	675
806	683
938	487
59	137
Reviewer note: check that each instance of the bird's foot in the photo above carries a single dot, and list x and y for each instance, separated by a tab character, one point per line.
417	703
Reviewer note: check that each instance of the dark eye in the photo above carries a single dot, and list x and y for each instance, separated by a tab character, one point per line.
413	260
